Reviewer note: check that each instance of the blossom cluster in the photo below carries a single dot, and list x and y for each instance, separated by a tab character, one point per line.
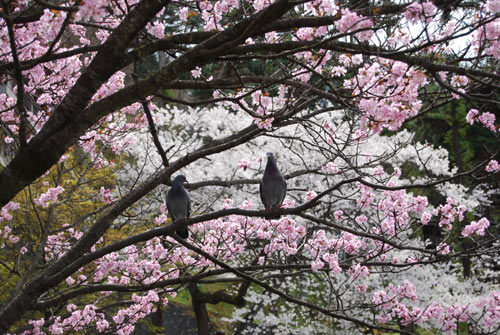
58	244
10	207
49	197
388	92
351	21
487	38
7	235
106	196
479	227
486	119
416	12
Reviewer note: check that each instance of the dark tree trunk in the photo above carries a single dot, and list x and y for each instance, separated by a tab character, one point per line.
466	262
200	310
157	317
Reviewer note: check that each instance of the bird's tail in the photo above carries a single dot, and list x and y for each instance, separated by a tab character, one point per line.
182	232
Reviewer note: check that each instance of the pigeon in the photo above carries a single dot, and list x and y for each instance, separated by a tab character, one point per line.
272	187
179	203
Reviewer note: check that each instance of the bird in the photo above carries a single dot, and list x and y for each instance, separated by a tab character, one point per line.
179	203
272	186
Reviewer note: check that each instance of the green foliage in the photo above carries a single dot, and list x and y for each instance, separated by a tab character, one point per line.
34	224
447	127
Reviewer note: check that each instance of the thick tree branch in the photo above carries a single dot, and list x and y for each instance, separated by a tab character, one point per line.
40	154
64	126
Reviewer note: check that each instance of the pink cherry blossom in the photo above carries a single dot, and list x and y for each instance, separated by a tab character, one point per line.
157	29
330	168
420	12
106	196
420	203
351	21
310	195
317	265
443	249
5	211
358	271
470	118
488	120
332	260
244	164
478	227
264	124
338	71
492	166
449	212
196	73
362	219
426	217
49	197
70	281
338	215
493	6
102	325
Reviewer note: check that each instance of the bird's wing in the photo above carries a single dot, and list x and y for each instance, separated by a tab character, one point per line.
169	209
284	191
262	198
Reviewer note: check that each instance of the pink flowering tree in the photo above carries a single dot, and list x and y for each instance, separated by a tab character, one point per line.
104	101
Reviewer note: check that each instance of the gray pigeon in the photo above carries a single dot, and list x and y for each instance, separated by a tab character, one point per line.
272	187
179	203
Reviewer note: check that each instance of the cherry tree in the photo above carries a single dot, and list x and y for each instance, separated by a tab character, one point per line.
90	132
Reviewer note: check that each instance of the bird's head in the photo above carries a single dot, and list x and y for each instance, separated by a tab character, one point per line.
180	179
270	158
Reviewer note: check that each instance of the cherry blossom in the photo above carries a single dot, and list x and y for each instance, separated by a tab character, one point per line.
338	215
420	12
310	195
357	271
492	166
49	197
106	196
493	6
478	227
426	217
443	249
244	164
471	116
196	73
352	21
330	168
